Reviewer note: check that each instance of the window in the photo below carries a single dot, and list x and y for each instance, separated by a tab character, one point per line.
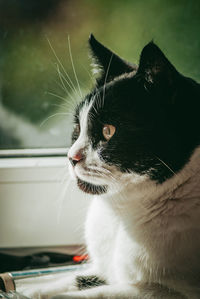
43	42
36	91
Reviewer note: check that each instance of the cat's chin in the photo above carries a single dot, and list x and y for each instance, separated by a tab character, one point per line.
91	188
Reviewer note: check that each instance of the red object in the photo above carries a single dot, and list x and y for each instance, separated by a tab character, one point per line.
80	258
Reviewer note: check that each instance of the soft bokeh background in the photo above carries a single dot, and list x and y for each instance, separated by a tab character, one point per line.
35	107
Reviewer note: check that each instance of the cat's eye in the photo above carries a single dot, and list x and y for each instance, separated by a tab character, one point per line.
108	131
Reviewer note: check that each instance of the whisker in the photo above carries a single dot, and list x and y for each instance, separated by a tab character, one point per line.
60	74
61	79
89	74
62	198
99	100
60	113
70	53
57	96
166	165
73	102
59	62
106	76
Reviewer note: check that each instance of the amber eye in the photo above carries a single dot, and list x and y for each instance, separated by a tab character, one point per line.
108	131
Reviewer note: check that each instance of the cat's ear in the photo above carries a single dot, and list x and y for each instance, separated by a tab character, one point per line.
107	63
154	67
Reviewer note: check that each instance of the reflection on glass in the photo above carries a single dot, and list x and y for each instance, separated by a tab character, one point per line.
38	83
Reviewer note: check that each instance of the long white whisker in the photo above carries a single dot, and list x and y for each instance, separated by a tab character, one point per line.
59	62
63	78
98	99
61	198
64	113
57	96
70	53
166	165
60	76
68	106
73	101
106	76
89	74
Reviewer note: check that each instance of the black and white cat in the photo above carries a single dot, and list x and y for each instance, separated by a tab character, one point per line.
136	151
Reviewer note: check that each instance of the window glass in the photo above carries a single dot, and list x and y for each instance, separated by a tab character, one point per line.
39	39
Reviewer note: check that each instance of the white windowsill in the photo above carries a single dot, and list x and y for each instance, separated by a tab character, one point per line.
33	162
32	169
38	205
36	152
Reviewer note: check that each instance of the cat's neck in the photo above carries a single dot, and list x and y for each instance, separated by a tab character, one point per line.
182	185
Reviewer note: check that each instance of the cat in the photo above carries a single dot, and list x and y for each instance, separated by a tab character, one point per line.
135	152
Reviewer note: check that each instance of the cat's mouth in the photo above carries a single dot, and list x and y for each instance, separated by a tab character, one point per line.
91	188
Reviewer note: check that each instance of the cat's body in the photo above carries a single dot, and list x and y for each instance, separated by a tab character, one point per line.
157	242
135	149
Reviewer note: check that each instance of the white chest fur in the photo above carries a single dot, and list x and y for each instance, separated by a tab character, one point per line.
154	237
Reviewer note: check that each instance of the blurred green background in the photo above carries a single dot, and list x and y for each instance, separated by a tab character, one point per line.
35	107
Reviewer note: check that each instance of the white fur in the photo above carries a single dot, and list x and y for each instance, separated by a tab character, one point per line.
145	235
82	141
140	234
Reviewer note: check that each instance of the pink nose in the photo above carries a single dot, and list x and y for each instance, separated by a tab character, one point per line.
76	158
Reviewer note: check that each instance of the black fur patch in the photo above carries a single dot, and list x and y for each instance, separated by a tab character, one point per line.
85	282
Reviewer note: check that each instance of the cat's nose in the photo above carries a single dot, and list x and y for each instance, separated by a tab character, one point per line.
75	159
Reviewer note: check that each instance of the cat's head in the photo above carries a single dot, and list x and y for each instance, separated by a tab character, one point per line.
137	122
